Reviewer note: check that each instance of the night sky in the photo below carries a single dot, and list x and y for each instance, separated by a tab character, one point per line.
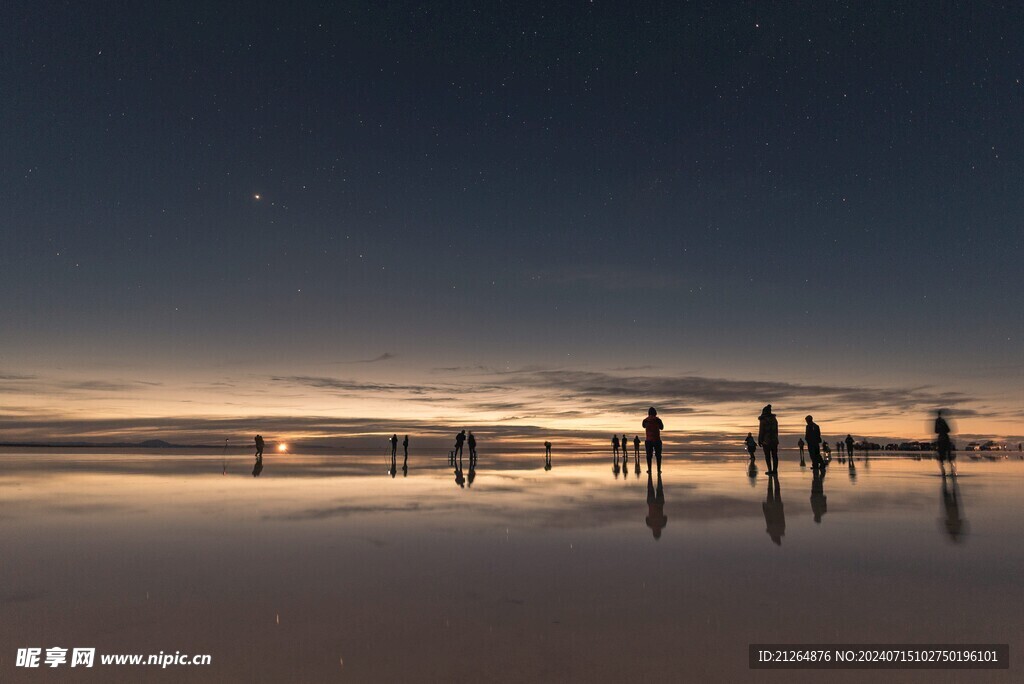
384	216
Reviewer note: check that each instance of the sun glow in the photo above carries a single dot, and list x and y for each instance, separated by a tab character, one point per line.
282	448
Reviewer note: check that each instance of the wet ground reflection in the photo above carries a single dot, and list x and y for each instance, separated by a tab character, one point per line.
512	569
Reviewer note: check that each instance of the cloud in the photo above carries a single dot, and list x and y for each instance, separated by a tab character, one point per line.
386	356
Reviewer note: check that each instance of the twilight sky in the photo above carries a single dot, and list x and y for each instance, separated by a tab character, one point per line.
326	222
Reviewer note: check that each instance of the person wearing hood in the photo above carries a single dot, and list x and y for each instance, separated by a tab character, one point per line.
768	439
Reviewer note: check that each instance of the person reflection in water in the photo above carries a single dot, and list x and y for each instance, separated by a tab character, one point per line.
752	471
547	455
819	502
257	467
405	458
800	443
774	515
768	439
460	479
944	446
656	518
953	523
653	426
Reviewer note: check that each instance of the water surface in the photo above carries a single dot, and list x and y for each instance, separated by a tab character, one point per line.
327	568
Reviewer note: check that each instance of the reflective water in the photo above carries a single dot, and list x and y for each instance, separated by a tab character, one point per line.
329	568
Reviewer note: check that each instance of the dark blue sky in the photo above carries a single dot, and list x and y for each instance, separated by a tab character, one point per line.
806	191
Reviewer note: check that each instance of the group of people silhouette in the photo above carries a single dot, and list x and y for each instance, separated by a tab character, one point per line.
767	438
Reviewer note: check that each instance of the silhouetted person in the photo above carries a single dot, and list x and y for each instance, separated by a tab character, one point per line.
827	453
459	439
800	443
819	502
472	450
615	447
953	522
774	515
768	438
257	467
944	446
636	448
653	426
405	457
656	518
751	445
547	455
259	446
394	446
812	435
625	453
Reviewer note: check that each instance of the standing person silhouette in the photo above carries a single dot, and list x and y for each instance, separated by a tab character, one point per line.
800	443
751	445
472	451
943	445
259	446
812	434
459	439
625	451
394	446
405	457
615	447
849	445
652	426
768	438
547	455
636	448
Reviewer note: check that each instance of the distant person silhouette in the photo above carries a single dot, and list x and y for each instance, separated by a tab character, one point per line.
944	446
636	448
800	443
953	521
459	439
405	457
547	455
827	453
812	435
652	426
751	445
615	447
774	515
259	446
819	502
625	452
768	438
394	446
472	450
656	518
